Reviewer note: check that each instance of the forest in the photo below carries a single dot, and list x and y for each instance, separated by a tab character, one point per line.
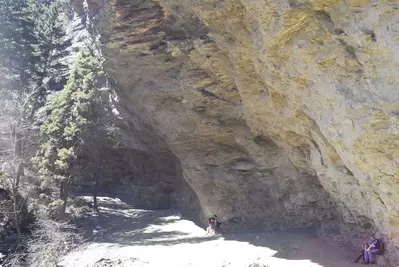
48	126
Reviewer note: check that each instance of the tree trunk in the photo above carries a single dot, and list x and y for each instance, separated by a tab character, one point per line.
16	214
64	193
97	178
20	173
18	147
95	204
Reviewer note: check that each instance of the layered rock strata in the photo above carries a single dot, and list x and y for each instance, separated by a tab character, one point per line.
280	114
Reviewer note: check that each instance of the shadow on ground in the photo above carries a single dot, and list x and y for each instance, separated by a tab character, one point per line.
126	227
120	224
301	245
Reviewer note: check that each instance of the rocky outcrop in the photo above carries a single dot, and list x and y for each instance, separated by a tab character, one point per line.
128	158
278	114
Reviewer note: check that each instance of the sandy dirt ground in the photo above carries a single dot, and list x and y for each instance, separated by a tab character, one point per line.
133	237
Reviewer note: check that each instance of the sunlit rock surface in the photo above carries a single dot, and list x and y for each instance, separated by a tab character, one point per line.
275	114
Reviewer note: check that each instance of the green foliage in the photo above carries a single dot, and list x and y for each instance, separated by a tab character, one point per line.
32	42
17	43
56	203
71	115
52	45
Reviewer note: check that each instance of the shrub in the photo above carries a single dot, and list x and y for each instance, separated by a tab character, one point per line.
50	241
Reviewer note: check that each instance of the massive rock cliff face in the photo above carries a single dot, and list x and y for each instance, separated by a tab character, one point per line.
274	114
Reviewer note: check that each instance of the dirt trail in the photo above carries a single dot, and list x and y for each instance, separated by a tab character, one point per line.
161	238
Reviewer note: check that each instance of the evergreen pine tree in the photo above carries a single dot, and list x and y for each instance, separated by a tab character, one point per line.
52	47
18	43
32	43
17	67
71	117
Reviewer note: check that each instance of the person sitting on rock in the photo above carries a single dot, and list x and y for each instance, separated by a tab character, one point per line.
373	247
